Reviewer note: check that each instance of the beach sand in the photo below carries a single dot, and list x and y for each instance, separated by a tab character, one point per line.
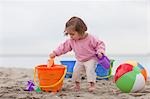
13	82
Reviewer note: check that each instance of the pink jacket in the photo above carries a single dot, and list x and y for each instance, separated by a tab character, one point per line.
84	49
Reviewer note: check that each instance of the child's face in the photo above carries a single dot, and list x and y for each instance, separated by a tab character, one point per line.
73	34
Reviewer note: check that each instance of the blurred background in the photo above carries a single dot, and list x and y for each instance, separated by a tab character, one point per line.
31	29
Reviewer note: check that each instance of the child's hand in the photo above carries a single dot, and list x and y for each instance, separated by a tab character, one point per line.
52	55
100	55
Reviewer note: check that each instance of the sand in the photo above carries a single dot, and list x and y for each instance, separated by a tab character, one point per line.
13	83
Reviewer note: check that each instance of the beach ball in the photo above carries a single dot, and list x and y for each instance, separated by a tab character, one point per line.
130	76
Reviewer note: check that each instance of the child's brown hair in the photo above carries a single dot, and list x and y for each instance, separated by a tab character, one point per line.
77	24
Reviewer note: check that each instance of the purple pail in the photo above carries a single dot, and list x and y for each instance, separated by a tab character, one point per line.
104	61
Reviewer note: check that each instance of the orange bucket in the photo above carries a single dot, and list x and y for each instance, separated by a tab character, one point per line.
50	79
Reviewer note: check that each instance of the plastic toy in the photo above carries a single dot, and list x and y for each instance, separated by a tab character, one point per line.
130	77
49	79
30	85
37	89
70	65
103	73
104	61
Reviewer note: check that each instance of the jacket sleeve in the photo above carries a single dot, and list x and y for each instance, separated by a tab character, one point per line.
63	48
98	45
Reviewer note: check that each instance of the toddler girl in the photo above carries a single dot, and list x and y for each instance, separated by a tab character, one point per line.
85	47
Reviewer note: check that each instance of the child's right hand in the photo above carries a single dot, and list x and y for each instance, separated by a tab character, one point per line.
52	55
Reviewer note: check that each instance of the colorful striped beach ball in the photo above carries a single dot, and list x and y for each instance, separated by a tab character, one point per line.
130	77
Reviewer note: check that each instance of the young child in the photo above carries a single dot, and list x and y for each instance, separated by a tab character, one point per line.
85	47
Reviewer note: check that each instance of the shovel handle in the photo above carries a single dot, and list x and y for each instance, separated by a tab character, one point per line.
50	62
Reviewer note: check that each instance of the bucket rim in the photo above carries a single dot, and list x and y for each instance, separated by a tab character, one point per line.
45	66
